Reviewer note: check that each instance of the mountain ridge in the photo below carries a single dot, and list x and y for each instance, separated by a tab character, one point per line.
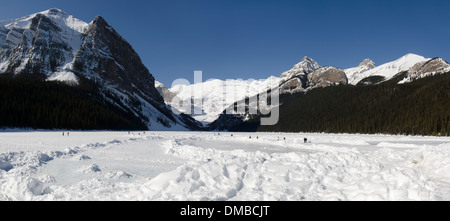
304	76
372	75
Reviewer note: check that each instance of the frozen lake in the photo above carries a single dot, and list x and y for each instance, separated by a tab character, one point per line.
39	166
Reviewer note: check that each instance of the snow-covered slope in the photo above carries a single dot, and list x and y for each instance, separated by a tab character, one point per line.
217	95
62	19
388	70
211	98
364	66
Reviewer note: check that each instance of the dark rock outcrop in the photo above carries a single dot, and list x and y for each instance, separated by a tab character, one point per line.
327	76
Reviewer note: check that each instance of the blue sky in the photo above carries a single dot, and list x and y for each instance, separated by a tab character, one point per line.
230	39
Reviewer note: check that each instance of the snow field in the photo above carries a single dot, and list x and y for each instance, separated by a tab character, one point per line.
210	167
348	175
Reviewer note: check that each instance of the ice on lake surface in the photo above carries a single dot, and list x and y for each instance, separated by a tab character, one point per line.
44	165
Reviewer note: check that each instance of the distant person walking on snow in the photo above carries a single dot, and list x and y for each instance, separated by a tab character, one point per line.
305	140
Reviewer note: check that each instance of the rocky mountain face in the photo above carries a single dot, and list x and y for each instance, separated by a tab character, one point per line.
55	46
327	76
296	79
167	95
308	74
43	43
427	68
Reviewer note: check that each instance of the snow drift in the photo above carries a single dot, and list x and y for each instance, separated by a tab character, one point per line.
211	167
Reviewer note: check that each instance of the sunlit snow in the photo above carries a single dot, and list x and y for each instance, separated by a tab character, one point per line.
226	166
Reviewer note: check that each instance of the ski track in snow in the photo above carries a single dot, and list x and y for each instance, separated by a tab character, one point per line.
207	166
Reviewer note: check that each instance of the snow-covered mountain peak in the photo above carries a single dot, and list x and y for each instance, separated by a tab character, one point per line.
59	17
22	41
306	60
64	18
307	64
54	12
367	63
387	70
410	58
304	67
99	20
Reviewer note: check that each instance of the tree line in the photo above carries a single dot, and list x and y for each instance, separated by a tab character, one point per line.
35	103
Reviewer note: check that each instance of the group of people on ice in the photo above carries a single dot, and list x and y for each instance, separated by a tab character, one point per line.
305	140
